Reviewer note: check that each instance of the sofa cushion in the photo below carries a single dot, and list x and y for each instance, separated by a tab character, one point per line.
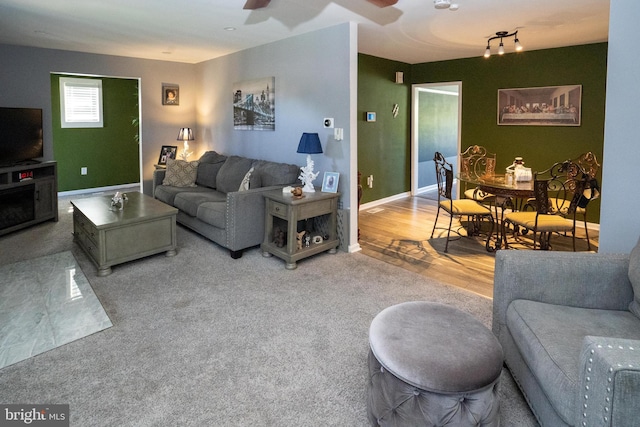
208	168
180	173
552	352
231	173
268	173
188	202
167	193
213	213
634	278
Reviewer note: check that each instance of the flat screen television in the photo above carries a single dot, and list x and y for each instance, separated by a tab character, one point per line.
20	135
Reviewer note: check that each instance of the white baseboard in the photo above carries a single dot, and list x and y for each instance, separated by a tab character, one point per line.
354	248
100	189
378	202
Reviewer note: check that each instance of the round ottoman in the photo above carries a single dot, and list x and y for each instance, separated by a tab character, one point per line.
432	365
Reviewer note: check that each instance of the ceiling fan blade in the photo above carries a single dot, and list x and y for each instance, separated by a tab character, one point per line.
383	3
256	4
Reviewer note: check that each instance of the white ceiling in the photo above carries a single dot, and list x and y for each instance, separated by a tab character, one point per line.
192	31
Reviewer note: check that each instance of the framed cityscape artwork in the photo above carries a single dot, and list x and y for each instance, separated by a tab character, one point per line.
254	104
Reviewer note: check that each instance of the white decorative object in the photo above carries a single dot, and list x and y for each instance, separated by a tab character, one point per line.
117	201
307	176
519	172
185	151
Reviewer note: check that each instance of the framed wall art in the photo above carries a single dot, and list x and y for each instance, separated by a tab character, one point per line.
254	104
540	106
170	95
167	152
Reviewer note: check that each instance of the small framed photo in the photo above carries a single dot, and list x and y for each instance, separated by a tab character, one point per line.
330	182
170	95
370	116
167	152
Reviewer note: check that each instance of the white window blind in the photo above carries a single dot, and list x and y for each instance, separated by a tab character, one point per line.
80	103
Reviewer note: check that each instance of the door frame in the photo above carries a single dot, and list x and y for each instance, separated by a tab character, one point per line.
415	90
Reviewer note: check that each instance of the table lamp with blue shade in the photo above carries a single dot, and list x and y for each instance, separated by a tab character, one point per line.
309	144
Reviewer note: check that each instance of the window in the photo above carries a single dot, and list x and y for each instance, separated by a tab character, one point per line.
80	103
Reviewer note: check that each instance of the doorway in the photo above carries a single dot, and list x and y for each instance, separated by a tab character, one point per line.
435	126
100	157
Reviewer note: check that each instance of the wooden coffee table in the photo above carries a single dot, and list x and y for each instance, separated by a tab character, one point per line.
144	227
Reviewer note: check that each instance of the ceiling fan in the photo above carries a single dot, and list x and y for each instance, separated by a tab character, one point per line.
259	4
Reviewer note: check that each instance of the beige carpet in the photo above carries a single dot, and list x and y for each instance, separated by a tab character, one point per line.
202	339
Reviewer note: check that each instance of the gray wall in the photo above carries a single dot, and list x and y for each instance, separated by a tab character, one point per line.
619	226
25	82
311	82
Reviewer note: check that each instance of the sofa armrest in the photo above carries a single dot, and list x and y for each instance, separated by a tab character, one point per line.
245	217
576	279
158	177
609	393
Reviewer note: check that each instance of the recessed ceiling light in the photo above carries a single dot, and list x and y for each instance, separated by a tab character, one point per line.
229	28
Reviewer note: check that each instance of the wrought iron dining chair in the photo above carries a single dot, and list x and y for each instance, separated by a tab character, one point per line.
459	208
590	166
558	191
476	163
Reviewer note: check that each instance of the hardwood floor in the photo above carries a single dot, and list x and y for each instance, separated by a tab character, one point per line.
399	233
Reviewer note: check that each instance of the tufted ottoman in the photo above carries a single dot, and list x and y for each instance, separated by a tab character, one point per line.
432	365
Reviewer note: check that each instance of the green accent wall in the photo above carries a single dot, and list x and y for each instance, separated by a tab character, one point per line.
540	146
111	153
384	145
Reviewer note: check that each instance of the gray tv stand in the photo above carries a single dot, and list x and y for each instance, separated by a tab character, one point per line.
28	195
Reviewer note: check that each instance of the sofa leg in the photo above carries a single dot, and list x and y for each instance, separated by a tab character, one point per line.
235	254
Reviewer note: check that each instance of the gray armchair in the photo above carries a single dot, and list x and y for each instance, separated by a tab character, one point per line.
569	325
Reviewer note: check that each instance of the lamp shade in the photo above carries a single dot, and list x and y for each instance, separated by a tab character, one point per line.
310	144
185	135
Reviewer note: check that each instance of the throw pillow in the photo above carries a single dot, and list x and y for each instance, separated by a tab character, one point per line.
634	278
244	185
180	173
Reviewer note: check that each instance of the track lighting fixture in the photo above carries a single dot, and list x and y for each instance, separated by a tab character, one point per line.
501	35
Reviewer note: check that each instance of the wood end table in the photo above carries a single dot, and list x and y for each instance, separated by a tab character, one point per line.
286	210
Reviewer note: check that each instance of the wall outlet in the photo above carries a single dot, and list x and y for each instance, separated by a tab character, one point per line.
83	171
370	181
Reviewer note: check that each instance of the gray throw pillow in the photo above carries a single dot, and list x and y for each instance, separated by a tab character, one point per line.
180	173
634	278
232	173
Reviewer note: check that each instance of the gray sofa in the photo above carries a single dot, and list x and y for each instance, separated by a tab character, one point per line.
569	325
216	207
